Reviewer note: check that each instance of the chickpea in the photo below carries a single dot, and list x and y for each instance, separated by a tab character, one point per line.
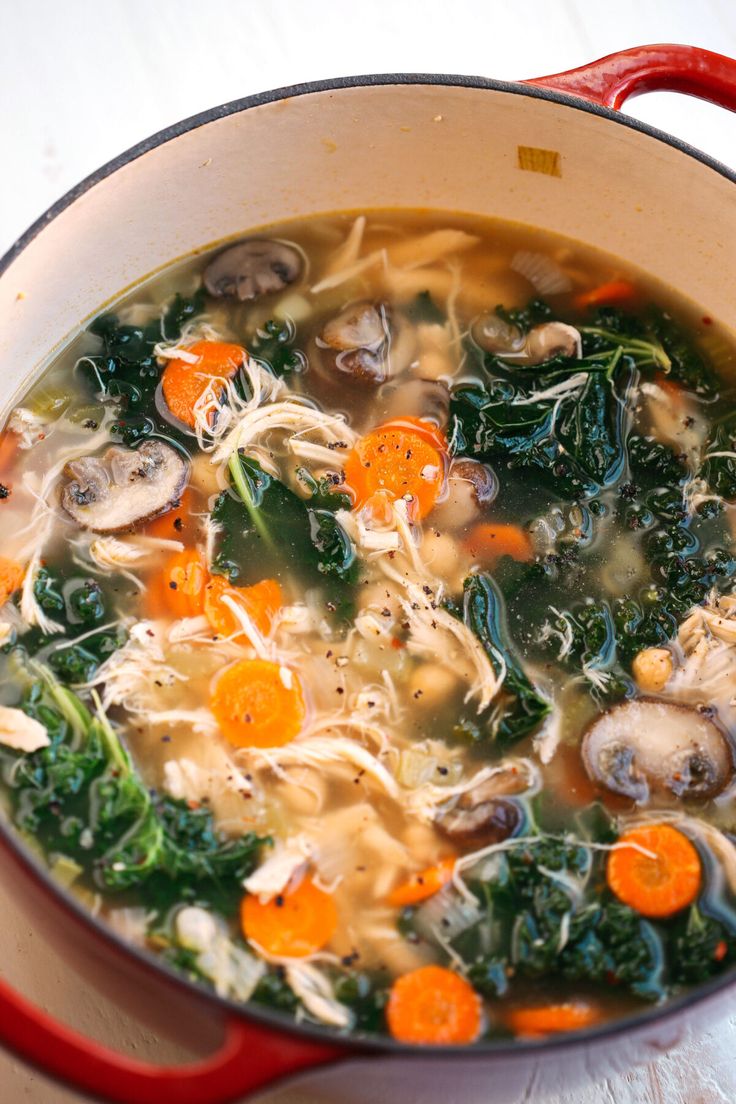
652	669
441	554
380	596
421	842
431	684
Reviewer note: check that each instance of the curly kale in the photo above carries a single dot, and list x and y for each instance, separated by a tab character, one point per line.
273	346
522	708
82	797
127	369
700	946
260	515
540	925
77	605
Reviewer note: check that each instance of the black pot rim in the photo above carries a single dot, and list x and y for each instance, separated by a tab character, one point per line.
355	1044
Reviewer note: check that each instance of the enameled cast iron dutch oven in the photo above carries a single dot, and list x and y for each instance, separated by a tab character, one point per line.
551	152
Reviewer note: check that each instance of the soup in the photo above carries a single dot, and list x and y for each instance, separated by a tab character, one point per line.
368	645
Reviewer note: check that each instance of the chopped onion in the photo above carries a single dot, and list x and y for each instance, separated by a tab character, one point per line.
542	272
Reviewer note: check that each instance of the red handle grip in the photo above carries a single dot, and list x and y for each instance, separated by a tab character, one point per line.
250	1057
611	80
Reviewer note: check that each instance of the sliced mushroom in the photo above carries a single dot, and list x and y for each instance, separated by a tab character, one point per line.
550	340
115	492
543	342
641	749
360	326
355	343
252	268
470	487
496	336
484	814
418	398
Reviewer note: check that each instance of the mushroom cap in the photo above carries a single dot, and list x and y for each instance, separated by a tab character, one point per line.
252	268
359	326
644	747
355	344
489	822
485	814
119	490
470	487
549	340
543	342
493	335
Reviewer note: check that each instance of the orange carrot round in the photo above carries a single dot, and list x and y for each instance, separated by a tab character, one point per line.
261	602
184	383
613	291
178	523
423	885
487	543
405	457
655	886
11	578
547	1019
258	704
179	590
9	444
294	924
433	1005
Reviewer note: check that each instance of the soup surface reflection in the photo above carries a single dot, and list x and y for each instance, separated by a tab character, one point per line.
368	639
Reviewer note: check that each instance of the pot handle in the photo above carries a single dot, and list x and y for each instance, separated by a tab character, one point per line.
611	80
251	1057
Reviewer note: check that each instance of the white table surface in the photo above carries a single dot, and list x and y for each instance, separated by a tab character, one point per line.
81	80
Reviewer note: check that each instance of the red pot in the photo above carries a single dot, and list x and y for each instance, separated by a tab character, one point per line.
552	152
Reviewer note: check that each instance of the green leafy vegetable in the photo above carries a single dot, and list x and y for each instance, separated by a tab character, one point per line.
268	518
521	708
700	947
538	924
127	369
82	797
273	346
75	604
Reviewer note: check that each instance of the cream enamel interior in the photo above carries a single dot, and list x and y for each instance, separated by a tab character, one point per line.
413	145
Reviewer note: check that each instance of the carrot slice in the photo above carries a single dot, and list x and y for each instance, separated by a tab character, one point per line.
433	1005
261	602
487	543
179	590
546	1019
658	886
295	923
258	704
178	523
184	384
9	443
11	578
614	291
423	885
405	457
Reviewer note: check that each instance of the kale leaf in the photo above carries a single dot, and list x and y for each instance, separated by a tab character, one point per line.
522	708
82	797
538	928
273	346
687	366
718	469
261	516
568	426
74	603
700	946
127	369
